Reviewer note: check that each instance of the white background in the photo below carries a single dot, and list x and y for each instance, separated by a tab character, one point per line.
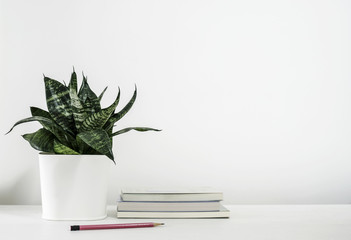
253	97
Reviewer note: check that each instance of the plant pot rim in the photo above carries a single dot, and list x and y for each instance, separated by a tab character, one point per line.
55	154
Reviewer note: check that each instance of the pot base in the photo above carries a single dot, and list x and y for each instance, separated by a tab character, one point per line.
73	219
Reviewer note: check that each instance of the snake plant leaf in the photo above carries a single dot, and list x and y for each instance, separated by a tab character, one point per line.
140	129
94	103
40	112
79	113
30	119
59	104
88	97
98	140
99	119
85	148
102	94
53	127
117	116
73	82
42	140
59	148
88	107
83	91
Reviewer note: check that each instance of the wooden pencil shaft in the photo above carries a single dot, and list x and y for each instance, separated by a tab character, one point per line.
114	226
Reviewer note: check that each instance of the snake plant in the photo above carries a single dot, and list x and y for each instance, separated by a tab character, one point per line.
75	122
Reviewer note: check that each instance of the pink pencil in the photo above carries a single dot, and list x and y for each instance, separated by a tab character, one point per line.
114	226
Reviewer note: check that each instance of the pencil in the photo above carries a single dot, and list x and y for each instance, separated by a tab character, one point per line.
114	226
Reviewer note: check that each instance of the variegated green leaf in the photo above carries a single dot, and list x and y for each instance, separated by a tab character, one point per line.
59	104
85	148
88	98
42	140
31	119
139	129
117	116
73	82
98	140
102	94
53	127
63	149
40	112
98	120
79	113
83	90
88	107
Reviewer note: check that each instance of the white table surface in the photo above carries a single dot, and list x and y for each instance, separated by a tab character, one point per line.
283	222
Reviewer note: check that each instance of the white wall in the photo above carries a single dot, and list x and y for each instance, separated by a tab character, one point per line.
253	96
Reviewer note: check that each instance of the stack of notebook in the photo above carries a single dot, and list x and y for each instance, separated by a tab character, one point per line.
175	203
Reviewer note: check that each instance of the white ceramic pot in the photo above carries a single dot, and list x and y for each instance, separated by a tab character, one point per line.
73	187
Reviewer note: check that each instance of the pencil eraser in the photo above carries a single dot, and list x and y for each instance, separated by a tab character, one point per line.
75	228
